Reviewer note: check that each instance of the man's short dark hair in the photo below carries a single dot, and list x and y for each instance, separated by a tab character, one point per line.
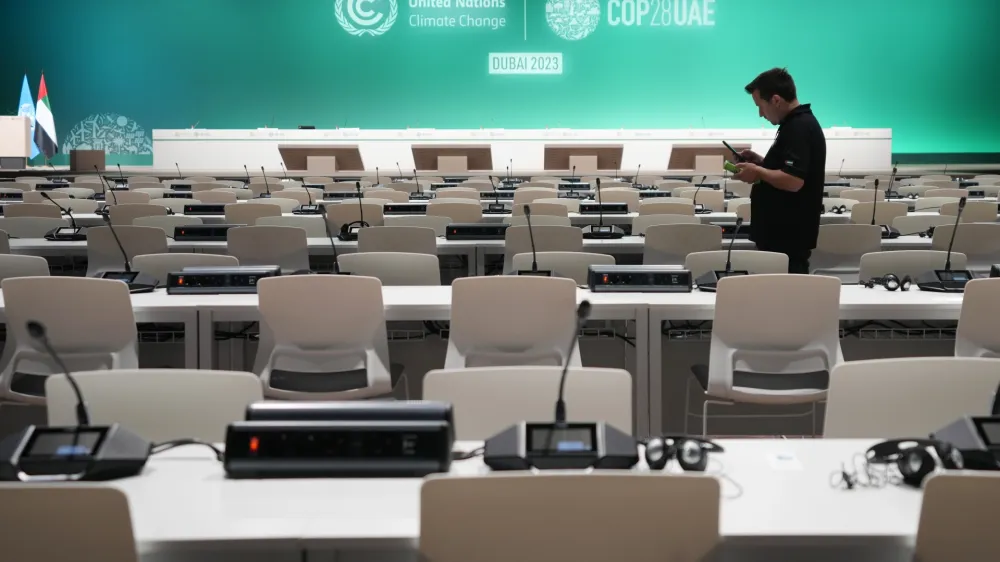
775	81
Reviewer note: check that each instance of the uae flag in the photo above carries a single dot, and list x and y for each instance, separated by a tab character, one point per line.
45	125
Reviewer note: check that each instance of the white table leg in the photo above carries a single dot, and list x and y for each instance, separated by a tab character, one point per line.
655	366
642	382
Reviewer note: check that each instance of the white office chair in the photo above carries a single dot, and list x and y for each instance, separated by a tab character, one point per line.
437	224
339	214
285	204
529	194
299	196
978	332
200	179
647	180
483	514
753	261
37	197
13	265
517	240
134	180
17	210
22	184
54	522
394	268
158	404
906	262
739	188
203	187
783	361
839	248
980	242
975	211
670	244
409	239
628	196
917	189
406	187
955	517
534	326
283	246
642	222
459	211
571	265
122	215
30	227
159	265
953	191
84	340
127	198
314	180
488	400
910	397
315	355
390	195
458	193
155	191
544	208
104	254
681	206
537	220
313	225
79	206
915	224
176	205
884	211
217	197
671	185
167	223
243	213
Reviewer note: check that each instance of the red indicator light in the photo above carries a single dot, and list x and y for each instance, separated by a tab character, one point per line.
254	444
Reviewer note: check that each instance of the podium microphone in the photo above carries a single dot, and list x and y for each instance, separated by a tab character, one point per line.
534	254
601	232
266	186
60	232
945	280
562	445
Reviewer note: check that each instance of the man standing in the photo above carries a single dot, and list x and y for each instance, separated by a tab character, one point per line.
787	183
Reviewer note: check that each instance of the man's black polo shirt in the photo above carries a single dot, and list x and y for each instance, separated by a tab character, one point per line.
790	220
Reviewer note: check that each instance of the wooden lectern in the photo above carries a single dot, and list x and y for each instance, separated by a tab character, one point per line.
15	142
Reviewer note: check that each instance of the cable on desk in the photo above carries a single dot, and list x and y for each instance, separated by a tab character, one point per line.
242	334
863	474
157	448
722	474
478	452
627	339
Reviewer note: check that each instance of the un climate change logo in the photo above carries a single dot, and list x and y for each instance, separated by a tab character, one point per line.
573	19
358	17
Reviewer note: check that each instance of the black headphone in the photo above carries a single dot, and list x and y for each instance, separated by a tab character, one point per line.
916	459
911	195
891	282
691	452
929	233
839	210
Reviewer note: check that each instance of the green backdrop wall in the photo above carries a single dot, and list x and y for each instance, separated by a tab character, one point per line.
117	69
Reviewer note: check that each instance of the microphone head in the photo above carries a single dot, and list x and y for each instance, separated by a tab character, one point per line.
35	329
262	169
739	221
598	180
45	195
583	311
961	203
876	183
527	210
357	185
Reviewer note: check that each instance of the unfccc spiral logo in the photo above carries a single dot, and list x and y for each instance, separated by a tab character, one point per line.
366	17
573	19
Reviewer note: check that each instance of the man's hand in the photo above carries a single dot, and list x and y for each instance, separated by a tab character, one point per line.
749	173
751	156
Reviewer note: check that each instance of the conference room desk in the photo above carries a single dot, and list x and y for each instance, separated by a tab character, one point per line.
777	504
856	303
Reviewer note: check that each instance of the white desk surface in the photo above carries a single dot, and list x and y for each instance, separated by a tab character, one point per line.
183	496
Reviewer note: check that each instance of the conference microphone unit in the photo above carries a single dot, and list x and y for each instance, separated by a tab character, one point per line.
635	178
618	176
267	188
534	271
107	188
214	280
638	279
600	231
400	170
70	454
378	182
840	172
947	280
892	179
284	171
709	282
137	282
248	174
888	232
572	175
72	233
349	231
562	445
178	166
121	177
309	209
420	195
496	207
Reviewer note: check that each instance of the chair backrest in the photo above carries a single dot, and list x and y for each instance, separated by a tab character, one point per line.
154	191
132	180
533	327
387	194
394	268
199	179
753	261
627	195
477	184
168	223
242	213
217	197
159	265
907	397
64	306
317	179
438	224
487	400
313	225
885	212
713	199
934	204
37	197
547	239
955	517
572	205
865	195
541	209
980	242
299	196
839	247
127	198
913	224
946	191
493	510
4	242
350	211
30	227
458	193
409	239
148	401
537	220
669	244
682	206
464	211
906	262
571	265
12	265
126	214
642	222
20	185
284	204
733	204
79	206
202	187
975	211
284	246
528	194
978	332
739	188
174	204
103	253
16	210
73	520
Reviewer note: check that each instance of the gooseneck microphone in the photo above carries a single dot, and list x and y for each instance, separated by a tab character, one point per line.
496	206
635	178
600	203
573	173
266	186
694	200
178	166
947	280
37	331
121	175
531	238
377	181
107	186
840	172
248	173
951	242
617	172
510	170
67	212
400	170
874	200
361	206
599	231
284	171
892	179
729	253
420	190
329	234
128	266
582	313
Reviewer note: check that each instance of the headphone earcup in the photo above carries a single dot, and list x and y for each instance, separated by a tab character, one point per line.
691	456
905	283
891	282
915	465
657	453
